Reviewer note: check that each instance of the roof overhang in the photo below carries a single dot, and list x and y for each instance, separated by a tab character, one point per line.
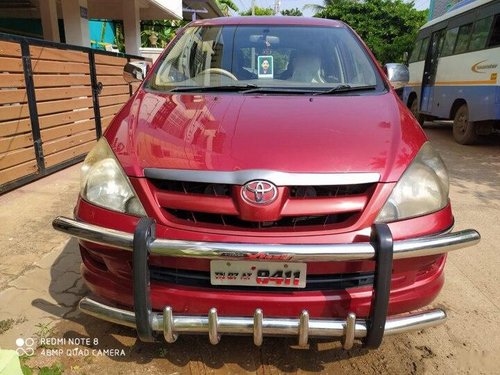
149	9
170	9
99	9
113	9
206	9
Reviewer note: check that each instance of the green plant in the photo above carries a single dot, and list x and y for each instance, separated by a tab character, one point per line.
24	367
5	325
44	331
56	369
164	30
292	12
119	37
162	352
226	6
259	12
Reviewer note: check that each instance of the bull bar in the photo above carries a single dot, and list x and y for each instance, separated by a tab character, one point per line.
381	248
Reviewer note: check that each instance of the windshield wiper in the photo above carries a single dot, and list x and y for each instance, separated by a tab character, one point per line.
276	90
229	88
252	88
345	88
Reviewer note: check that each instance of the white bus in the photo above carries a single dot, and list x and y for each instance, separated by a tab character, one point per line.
454	70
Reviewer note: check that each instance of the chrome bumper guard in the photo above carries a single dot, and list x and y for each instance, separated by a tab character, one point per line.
381	248
258	326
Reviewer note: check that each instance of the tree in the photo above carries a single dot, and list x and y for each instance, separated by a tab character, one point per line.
292	12
157	33
388	27
316	8
226	6
259	12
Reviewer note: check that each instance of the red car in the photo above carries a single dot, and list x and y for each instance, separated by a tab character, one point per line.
265	179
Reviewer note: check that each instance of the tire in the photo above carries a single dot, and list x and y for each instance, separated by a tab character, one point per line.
463	129
414	110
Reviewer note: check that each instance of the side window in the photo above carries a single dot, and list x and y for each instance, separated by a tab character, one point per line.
416	50
440	42
449	42
177	67
423	50
463	38
495	35
480	34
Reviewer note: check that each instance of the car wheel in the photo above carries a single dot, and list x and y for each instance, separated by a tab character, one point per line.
414	110
463	129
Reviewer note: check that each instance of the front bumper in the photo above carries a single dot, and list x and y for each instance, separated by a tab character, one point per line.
382	249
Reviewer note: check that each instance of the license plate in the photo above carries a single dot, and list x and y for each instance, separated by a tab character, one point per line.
268	274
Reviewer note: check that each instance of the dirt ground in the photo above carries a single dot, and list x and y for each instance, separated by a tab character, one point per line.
40	286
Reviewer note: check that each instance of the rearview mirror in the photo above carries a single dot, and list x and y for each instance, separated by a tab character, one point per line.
398	74
135	71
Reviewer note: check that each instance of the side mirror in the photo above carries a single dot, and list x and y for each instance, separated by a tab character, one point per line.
398	74
135	71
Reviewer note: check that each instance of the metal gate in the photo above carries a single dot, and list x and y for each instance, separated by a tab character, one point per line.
55	101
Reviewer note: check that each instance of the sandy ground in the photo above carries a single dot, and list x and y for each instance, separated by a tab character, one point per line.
40	286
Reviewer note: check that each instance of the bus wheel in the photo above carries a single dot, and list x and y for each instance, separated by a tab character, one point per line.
463	129
414	110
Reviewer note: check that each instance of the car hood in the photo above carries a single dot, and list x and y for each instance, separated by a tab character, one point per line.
290	133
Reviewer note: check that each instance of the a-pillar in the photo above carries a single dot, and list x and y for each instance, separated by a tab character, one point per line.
132	26
76	23
50	23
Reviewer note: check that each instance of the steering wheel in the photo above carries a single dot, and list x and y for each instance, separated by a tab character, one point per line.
220	71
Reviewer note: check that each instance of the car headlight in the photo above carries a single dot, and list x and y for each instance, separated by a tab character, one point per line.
422	189
104	183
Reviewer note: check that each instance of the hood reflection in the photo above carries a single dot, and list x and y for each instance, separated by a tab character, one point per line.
186	123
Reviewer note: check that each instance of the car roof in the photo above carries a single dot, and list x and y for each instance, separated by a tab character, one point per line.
268	20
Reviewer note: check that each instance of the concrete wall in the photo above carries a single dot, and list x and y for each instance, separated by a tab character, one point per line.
151	53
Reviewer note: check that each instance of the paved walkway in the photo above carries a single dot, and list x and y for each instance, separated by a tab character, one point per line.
38	281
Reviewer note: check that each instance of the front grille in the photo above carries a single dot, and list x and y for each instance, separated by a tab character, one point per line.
201	279
218	190
233	221
328	190
219	205
193	187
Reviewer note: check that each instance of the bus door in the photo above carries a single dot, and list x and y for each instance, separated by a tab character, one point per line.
430	71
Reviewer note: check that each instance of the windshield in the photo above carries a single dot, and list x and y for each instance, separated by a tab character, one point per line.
292	57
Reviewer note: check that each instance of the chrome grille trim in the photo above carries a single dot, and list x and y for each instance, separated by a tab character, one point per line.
276	177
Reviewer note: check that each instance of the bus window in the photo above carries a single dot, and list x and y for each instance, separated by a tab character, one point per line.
449	42
440	38
423	50
495	35
463	38
416	50
431	64
480	34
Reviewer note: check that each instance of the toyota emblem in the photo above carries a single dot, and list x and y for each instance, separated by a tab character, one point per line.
259	192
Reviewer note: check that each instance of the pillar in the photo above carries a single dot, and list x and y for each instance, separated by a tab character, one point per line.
50	25
132	26
76	23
